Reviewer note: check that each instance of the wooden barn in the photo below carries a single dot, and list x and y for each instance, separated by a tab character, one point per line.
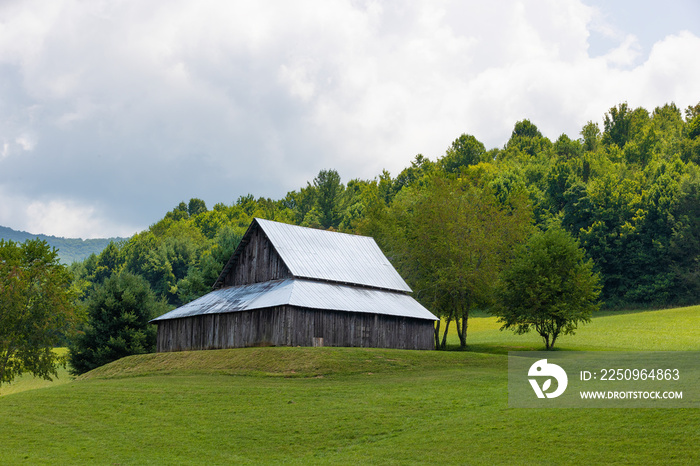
287	285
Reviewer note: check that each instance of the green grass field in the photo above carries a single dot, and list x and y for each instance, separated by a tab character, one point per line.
663	330
347	406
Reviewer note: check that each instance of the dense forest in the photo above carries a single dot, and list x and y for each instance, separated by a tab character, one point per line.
628	192
69	249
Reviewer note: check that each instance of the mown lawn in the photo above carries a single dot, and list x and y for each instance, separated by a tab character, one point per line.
662	330
344	406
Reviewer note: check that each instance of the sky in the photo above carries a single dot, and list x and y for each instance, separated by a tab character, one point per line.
112	112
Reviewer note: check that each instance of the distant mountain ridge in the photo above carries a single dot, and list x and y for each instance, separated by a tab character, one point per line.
69	249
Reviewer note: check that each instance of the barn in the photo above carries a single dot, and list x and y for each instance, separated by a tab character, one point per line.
287	285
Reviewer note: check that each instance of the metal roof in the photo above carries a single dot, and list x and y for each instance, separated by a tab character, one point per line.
302	293
332	256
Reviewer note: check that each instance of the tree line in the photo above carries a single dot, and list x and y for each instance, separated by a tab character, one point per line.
627	196
628	192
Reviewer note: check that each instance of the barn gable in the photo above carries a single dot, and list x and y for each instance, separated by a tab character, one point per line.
289	285
283	251
255	260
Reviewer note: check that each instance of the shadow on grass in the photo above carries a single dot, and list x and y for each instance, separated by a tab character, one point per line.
621	312
490	348
494	349
604	312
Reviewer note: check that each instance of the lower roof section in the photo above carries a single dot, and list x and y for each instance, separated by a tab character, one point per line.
302	293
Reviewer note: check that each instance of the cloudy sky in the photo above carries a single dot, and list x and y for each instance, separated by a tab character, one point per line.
112	112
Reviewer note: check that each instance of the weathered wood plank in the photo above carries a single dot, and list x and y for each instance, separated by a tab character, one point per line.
258	262
291	326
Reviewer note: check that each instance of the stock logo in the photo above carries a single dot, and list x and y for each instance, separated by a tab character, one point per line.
542	368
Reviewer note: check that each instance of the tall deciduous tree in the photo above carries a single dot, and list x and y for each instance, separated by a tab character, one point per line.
550	287
36	309
464	151
450	239
196	207
526	139
590	136
420	166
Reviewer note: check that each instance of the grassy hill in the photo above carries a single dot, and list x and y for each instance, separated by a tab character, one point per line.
69	249
347	406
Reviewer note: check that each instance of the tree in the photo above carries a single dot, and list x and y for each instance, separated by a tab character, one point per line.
567	149
329	190
550	287
196	207
464	151
622	124
526	139
590	136
108	262
420	166
684	248
201	277
617	125
36	309
449	239
117	326
178	213
301	203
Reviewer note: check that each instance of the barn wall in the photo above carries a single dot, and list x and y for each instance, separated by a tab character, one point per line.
292	326
258	262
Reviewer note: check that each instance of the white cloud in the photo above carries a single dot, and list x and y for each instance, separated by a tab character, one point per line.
26	142
59	218
127	108
670	72
63	218
625	55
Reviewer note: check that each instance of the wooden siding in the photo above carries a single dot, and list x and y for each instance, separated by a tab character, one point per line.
257	262
292	326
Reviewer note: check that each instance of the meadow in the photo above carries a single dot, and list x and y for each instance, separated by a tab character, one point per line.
347	406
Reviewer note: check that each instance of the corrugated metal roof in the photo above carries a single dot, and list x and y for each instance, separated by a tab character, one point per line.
332	256
302	293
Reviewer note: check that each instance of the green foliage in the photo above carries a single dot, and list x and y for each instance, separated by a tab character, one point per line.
694	127
566	148
420	167
449	239
618	126
108	262
170	261
526	141
180	256
590	136
549	287
329	190
464	151
117	326
28	381
196	207
199	279
36	309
